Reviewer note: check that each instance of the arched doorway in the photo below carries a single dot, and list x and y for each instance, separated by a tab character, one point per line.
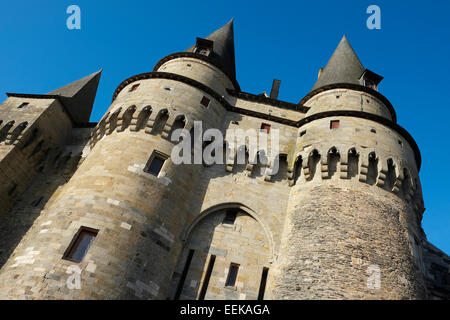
226	256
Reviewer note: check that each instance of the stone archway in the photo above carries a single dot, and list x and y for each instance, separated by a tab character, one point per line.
226	256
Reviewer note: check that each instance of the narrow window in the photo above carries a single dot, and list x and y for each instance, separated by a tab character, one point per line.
262	287
230	217
265	127
207	278
80	244
23	105
205	102
184	274
334	124
302	133
373	130
232	275
134	87
155	163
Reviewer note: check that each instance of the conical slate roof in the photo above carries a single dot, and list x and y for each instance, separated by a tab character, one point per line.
223	48
344	67
79	96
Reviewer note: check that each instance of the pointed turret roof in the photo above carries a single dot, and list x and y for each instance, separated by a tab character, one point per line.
223	48
344	66
78	97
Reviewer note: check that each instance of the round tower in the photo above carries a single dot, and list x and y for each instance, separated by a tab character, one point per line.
112	232
353	224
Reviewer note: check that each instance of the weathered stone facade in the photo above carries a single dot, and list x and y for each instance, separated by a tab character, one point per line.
346	199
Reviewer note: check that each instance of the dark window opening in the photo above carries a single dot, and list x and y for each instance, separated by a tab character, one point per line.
134	87
230	217
265	127
232	275
372	170
302	133
400	142
262	287
203	46
207	278
184	274
202	50
80	244
23	105
155	164
205	102
373	130
334	124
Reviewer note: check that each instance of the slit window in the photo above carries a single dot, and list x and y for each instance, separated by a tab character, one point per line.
184	274
262	287
334	124
302	133
205	102
155	163
212	260
134	87
265	127
23	105
80	244
232	275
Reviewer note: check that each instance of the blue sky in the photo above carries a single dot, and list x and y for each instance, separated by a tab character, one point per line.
287	40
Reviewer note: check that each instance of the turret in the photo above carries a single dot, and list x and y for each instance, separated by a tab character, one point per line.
117	221
33	126
356	204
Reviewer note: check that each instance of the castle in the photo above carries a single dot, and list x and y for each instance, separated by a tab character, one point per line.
99	211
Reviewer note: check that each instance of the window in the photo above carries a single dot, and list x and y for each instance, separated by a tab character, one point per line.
203	46
23	105
134	87
302	133
334	124
184	274
232	275
205	102
262	287
265	127
230	217
80	244
202	294
155	163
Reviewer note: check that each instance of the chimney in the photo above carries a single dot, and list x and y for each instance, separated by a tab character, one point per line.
275	89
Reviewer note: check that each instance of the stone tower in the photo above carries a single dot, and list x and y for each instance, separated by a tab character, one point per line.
356	208
102	211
